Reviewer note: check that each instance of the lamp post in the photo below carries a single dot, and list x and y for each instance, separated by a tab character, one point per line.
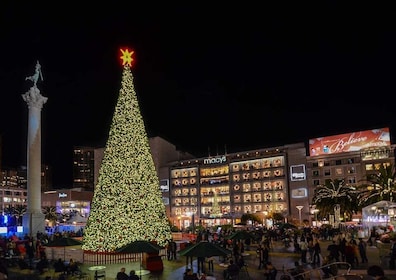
316	216
265	218
299	208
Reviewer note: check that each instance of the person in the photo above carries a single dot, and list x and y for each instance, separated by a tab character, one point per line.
259	252
211	263
201	264
121	275
232	271
173	250
316	253
72	267
376	272
188	274
42	265
240	262
334	251
29	248
132	275
3	270
303	249
298	271
328	268
392	254
270	271
22	264
362	250
59	266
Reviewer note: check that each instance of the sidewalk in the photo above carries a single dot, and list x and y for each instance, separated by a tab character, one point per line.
280	256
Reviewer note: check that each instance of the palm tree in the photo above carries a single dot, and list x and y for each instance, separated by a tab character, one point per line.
379	186
335	192
50	214
19	210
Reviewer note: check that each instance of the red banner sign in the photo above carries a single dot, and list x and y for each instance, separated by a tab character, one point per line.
349	142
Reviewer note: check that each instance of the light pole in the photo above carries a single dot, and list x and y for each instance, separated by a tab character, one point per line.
265	218
316	216
299	207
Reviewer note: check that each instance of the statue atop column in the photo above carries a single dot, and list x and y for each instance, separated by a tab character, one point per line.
33	218
33	96
37	74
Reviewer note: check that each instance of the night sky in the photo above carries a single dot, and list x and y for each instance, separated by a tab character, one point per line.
208	77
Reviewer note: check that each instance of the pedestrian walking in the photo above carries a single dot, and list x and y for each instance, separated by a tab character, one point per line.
363	250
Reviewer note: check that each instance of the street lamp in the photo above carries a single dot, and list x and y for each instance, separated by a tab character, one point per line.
316	216
299	207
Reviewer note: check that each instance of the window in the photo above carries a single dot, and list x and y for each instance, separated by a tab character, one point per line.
338	171
351	160
316	182
315	173
327	172
351	170
315	164
369	167
351	180
338	162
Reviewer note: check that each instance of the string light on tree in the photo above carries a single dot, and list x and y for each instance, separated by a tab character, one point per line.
127	204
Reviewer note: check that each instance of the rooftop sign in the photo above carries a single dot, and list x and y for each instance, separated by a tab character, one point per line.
349	142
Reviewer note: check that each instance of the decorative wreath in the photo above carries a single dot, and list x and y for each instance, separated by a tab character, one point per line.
184	182
266	173
237	187
236	167
277	172
277	162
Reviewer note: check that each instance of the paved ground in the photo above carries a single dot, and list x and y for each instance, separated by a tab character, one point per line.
281	257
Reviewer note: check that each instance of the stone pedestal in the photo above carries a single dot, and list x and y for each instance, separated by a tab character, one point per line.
33	222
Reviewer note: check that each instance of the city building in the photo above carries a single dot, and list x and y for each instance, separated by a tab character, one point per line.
220	189
84	168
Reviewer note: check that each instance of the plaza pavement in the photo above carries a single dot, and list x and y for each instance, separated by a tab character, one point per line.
280	256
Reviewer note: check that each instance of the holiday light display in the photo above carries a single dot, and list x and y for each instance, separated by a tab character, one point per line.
127	203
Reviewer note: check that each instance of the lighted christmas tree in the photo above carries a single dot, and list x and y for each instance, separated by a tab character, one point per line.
127	203
216	212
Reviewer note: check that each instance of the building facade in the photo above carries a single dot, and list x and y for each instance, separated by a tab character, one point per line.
84	168
221	189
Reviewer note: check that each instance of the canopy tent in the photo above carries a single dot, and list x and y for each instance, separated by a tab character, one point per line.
379	214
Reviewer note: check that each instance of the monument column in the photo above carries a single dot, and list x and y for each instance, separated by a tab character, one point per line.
34	219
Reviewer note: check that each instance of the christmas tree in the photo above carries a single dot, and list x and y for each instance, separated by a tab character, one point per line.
127	204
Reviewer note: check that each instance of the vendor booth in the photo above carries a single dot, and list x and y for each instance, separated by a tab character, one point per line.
381	214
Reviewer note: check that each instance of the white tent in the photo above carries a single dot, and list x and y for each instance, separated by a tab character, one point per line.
379	214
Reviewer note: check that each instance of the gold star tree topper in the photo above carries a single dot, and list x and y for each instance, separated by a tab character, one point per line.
126	57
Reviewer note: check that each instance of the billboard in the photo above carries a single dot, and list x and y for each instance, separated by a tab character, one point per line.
349	142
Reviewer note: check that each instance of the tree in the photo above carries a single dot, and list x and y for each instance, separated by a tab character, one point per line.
127	204
50	214
379	186
335	192
19	210
276	216
250	217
